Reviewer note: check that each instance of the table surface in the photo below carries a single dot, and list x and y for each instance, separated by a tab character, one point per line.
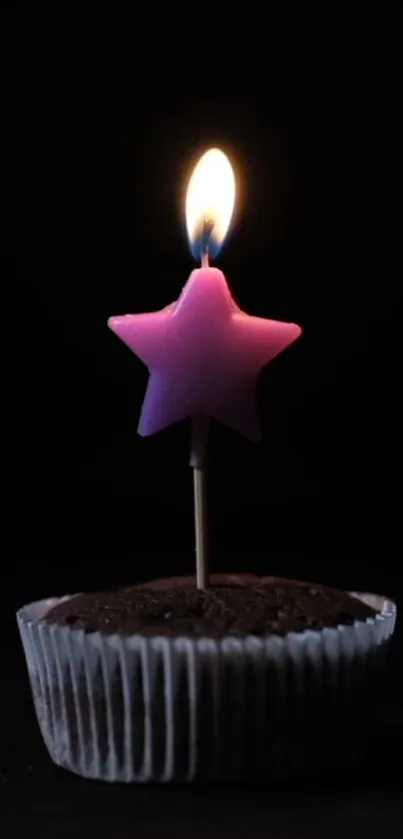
35	796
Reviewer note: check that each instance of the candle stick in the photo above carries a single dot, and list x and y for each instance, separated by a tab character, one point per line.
203	352
198	462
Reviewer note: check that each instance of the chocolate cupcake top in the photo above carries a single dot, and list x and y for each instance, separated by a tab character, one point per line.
235	605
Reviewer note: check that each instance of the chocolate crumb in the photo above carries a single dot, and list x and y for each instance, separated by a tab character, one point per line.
233	605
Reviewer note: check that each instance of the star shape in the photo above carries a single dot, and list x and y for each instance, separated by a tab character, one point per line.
204	355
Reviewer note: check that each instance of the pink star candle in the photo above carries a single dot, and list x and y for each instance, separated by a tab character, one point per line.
204	356
203	352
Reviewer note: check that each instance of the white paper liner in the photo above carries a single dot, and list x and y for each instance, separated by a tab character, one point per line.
135	708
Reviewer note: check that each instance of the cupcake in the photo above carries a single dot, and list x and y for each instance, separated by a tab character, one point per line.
250	678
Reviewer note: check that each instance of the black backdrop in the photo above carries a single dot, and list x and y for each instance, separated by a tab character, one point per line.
103	141
102	135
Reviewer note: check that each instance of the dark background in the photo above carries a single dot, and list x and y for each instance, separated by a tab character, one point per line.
106	143
103	139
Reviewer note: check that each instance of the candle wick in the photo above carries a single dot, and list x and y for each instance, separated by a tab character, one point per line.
207	230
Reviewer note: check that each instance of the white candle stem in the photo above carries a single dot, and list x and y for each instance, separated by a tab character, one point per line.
200	427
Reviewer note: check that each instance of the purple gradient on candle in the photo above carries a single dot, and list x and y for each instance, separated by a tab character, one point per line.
204	356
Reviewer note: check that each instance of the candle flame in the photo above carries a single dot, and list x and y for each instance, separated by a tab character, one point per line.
210	201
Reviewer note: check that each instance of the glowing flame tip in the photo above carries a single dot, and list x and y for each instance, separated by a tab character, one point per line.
210	202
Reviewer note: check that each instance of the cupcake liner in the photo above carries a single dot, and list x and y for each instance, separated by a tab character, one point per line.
140	709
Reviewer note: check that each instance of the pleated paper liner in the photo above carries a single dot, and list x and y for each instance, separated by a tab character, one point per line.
139	709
